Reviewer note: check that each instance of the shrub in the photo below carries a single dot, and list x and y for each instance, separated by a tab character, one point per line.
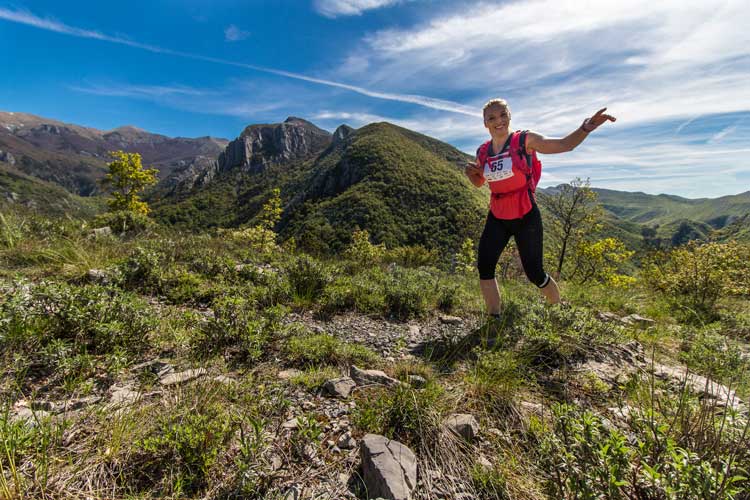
96	319
584	458
694	277
410	416
406	293
237	330
142	270
324	349
308	276
362	252
362	293
412	256
125	222
185	444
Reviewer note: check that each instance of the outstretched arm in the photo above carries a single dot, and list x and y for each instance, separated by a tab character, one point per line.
546	145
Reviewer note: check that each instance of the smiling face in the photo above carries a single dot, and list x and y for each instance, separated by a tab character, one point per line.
497	120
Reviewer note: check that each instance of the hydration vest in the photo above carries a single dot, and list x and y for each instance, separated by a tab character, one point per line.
527	164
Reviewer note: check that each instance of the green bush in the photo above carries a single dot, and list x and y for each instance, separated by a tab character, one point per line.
143	270
412	256
694	277
408	415
181	287
183	447
584	458
95	319
361	293
323	349
125	221
237	329
308	276
407	292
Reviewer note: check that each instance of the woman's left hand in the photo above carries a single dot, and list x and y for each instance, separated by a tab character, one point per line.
591	124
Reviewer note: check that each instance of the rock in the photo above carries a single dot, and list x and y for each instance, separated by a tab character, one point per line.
607	316
414	331
97	276
293	493
7	158
223	379
154	367
340	387
123	395
289	374
181	377
346	441
637	320
389	468
29	416
417	381
463	425
723	395
450	320
532	408
368	377
484	462
262	145
290	424
101	232
342	133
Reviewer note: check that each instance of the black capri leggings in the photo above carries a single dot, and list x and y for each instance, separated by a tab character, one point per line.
528	234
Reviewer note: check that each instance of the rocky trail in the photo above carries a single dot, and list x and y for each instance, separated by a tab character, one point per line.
337	462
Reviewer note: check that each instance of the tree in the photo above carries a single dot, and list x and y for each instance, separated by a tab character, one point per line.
601	261
575	213
696	276
128	179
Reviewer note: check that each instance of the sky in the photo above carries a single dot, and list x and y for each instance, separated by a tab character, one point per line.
676	74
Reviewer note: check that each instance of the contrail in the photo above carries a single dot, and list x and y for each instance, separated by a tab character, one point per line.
30	19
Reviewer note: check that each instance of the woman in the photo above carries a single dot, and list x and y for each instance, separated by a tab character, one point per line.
508	162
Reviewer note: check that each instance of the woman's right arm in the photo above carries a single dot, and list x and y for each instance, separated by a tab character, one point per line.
474	173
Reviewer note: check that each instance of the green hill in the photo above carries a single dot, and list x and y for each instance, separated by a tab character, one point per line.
404	188
19	189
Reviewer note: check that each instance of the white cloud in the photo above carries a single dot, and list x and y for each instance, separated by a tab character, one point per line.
145	91
336	8
233	34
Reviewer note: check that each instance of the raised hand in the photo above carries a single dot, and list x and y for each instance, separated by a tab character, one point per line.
591	124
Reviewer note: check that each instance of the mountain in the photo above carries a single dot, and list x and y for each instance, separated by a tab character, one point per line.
75	157
404	187
18	188
664	208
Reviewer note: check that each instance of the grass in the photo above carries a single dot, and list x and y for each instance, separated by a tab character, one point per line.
181	297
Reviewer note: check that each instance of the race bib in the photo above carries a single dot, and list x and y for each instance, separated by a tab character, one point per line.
498	168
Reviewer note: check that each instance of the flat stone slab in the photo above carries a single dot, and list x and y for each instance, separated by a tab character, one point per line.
368	377
389	468
289	374
340	387
463	425
123	395
182	377
450	320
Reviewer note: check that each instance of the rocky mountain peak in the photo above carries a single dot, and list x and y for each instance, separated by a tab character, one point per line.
261	145
342	133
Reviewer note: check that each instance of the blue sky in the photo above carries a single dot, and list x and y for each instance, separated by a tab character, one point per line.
676	74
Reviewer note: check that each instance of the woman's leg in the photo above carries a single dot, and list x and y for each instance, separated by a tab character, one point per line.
529	240
491	245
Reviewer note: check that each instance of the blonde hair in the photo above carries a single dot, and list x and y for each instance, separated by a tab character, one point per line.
496	101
